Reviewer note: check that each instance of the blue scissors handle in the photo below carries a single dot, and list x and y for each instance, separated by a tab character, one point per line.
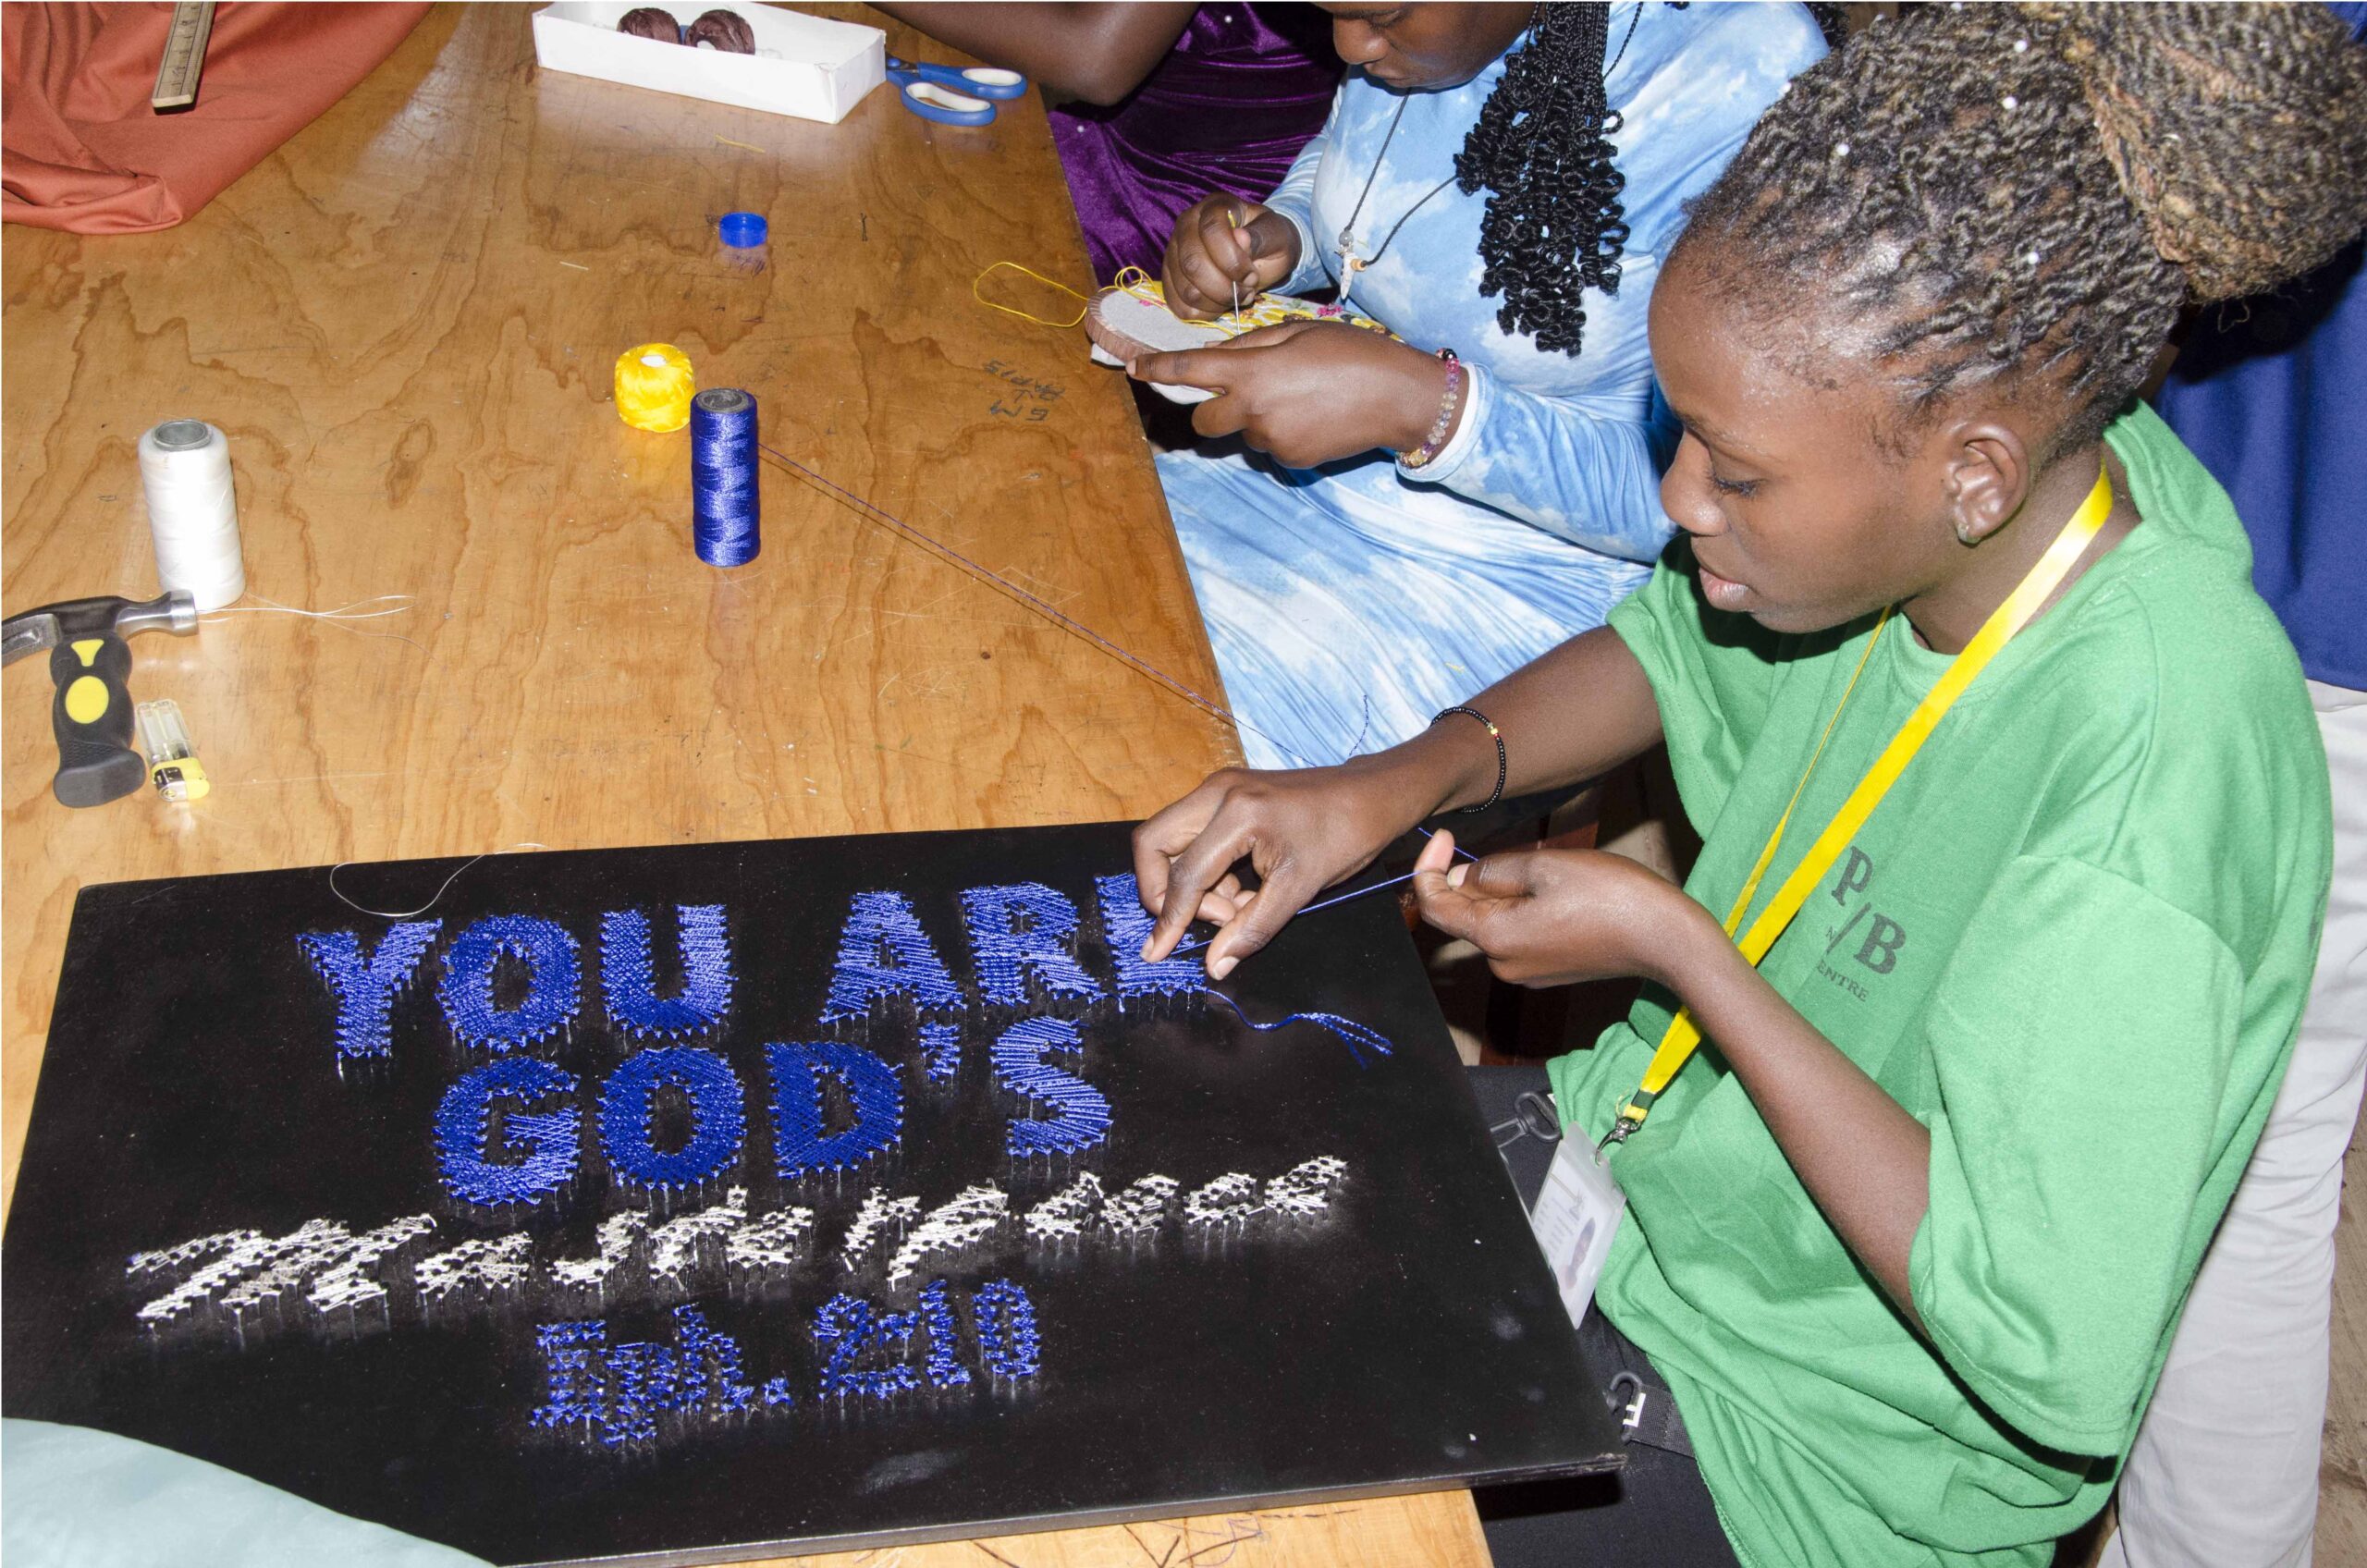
942	105
974	82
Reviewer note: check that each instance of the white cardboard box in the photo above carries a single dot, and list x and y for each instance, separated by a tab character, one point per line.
804	65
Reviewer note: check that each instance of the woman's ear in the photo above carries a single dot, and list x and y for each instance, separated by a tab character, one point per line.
1988	478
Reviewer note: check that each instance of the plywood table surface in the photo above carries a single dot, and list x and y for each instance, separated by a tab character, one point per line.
405	319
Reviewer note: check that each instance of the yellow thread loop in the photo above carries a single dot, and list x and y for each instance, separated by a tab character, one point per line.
1084	304
654	387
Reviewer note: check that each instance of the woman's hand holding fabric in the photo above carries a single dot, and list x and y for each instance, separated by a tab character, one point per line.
1309	392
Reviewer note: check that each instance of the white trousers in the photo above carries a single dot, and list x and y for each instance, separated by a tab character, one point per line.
2225	1470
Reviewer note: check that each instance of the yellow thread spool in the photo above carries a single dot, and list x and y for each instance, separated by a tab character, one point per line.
653	388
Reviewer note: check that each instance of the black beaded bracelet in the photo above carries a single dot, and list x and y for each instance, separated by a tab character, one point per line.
1504	767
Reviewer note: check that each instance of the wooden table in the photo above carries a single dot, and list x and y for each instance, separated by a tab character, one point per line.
405	321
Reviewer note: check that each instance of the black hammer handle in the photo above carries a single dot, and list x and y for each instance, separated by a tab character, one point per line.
92	718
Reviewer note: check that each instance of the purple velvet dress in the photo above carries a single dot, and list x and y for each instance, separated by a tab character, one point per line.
1243	88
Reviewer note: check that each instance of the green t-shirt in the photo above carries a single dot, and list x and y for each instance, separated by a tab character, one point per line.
2073	941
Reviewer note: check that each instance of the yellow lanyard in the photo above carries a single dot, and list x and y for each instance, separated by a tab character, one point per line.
1677	1045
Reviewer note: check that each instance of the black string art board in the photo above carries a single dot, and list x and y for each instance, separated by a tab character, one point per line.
702	1202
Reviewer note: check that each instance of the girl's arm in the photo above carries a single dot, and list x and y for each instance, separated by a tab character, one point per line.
1864	1160
1095	51
1589	475
1569	716
1550	917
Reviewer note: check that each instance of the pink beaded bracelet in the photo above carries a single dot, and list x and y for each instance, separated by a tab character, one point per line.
1422	455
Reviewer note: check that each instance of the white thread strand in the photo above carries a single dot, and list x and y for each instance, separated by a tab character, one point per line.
343	612
397	604
193	510
430	904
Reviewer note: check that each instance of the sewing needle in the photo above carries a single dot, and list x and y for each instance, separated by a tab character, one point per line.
1234	218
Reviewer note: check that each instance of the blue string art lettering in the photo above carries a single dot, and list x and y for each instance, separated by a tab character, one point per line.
945	1369
1008	1345
941	1053
628	1114
628	973
464	1121
1083	1118
883	952
617	1392
575	1394
851	1326
553	989
1023	931
1126	924
366	988
799	1146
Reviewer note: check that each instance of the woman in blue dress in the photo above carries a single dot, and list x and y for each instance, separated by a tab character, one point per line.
1357	575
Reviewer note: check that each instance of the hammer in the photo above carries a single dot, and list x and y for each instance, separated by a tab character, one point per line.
92	668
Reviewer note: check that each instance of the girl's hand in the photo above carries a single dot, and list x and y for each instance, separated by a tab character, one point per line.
1550	918
1221	245
1301	831
1309	391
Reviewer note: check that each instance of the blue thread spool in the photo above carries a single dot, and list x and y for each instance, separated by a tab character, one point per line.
723	477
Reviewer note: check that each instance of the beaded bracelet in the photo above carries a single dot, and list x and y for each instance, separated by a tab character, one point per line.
1504	767
1420	456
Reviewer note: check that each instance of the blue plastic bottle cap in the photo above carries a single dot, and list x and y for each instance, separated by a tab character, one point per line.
742	229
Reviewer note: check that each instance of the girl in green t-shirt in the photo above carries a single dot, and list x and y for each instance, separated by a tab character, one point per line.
1908	1239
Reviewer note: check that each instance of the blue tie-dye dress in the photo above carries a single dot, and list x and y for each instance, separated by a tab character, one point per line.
1348	604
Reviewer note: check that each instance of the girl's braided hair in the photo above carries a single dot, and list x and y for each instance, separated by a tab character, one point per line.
1553	226
2002	193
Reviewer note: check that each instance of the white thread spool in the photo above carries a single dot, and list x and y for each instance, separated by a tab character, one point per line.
193	510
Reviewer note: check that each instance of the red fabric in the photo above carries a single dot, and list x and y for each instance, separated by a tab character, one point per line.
84	152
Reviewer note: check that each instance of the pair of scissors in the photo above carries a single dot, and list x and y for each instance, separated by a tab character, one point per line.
953	95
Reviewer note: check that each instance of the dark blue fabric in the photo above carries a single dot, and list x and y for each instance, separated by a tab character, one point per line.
2270	393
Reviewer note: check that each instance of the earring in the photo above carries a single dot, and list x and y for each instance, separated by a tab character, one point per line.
1963	533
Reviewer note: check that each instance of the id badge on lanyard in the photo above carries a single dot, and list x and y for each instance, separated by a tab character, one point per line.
1576	1217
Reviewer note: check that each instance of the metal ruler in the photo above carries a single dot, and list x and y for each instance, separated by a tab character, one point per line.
184	56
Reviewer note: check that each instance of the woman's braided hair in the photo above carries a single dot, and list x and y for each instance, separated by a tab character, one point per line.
2002	193
1552	227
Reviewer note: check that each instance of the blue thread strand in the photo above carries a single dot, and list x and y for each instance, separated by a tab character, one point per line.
800	1149
725	497
1358	1037
883	952
465	1115
628	1103
554	990
1192	947
1023	931
366	988
628	973
1083	1119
